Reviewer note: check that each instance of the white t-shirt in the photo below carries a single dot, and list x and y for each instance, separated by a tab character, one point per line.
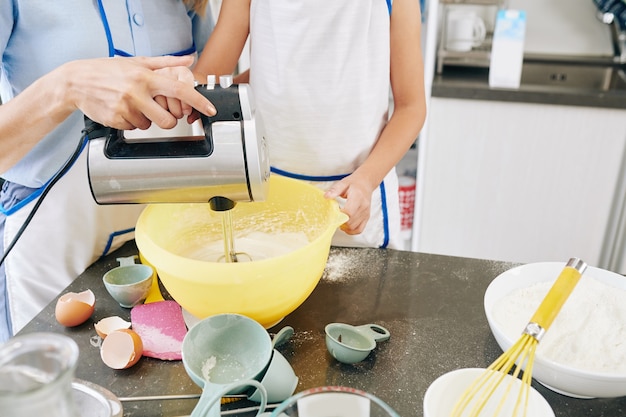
320	73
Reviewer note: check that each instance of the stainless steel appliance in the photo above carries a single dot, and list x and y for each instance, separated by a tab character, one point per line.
230	160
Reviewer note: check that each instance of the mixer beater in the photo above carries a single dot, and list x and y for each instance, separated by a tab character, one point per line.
225	205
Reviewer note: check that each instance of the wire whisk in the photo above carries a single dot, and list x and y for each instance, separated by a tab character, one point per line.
521	354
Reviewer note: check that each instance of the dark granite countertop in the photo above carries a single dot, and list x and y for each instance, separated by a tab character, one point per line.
473	83
431	304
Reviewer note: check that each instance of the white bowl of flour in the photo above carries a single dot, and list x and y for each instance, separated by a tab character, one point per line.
583	353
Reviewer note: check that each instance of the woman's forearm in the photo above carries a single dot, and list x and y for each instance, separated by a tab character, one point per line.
30	116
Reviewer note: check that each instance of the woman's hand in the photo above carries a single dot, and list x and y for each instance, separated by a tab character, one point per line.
129	93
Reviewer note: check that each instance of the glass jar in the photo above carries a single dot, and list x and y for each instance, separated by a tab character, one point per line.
36	373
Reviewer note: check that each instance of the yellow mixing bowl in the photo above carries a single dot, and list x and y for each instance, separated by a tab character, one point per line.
265	290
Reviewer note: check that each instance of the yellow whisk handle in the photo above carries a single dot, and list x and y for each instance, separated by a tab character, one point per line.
558	294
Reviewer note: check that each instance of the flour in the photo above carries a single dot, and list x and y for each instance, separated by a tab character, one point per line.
337	266
588	333
229	369
258	245
207	366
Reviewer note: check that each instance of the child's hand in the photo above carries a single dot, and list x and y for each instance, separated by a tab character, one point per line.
358	196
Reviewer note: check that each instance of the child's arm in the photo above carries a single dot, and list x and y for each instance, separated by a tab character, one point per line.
407	83
223	49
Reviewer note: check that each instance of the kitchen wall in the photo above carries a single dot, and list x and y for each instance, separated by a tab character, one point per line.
554	27
564	27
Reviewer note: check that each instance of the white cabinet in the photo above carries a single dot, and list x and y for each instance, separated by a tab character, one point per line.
521	182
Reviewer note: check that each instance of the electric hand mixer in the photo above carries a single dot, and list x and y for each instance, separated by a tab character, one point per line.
229	163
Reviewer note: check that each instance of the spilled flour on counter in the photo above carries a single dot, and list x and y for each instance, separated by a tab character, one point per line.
588	333
337	266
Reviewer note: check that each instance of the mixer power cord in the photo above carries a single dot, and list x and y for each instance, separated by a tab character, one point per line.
66	167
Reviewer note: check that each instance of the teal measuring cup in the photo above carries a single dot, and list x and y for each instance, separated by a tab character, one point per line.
226	354
351	344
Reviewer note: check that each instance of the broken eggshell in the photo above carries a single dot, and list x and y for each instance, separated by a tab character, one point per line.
121	349
73	309
110	324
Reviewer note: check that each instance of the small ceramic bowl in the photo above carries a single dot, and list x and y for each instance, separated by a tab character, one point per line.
442	395
129	284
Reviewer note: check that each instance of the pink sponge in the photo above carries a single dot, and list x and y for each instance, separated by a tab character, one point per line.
161	327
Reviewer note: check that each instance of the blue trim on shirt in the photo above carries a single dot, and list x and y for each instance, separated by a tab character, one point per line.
389	4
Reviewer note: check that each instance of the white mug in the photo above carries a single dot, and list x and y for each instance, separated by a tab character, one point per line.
464	30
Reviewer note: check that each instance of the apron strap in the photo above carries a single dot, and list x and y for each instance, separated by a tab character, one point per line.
385	211
107	29
314	178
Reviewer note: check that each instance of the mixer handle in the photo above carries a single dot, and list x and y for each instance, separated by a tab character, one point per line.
94	129
118	147
225	100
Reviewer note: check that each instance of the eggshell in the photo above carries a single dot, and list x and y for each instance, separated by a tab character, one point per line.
121	349
73	308
110	324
